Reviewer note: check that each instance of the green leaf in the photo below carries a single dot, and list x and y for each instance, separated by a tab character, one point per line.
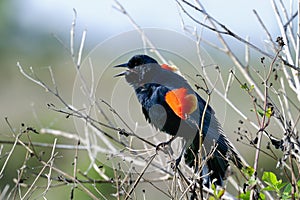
249	171
281	185
262	196
288	188
247	88
270	179
244	86
260	112
252	181
213	187
269	112
269	188
245	196
221	193
287	192
286	197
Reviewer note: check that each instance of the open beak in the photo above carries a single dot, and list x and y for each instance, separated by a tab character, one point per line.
122	73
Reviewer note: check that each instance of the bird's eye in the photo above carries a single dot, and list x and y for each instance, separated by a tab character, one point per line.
138	62
135	62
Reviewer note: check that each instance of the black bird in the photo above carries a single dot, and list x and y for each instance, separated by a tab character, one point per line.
172	106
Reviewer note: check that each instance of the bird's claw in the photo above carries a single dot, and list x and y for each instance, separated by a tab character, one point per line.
175	163
178	161
162	145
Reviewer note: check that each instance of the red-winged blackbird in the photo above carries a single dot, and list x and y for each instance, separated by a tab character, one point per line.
172	106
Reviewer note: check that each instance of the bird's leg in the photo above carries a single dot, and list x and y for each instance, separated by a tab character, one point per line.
177	161
164	144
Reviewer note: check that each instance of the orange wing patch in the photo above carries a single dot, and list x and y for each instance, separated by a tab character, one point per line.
170	68
181	102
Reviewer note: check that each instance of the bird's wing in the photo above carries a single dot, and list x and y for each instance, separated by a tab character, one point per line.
156	110
215	134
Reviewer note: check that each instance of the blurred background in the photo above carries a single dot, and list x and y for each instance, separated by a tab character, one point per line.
37	34
29	30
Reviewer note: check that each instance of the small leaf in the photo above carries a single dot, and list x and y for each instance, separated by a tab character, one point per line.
249	171
213	187
262	196
252	181
269	112
244	86
260	112
269	188
270	178
281	185
286	197
245	196
288	189
221	193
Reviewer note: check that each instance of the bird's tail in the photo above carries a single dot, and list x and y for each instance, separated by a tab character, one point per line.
212	166
217	162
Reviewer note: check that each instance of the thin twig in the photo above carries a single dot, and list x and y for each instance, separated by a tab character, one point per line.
11	150
128	194
49	180
121	9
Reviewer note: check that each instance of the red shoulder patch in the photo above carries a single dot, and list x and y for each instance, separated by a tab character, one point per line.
170	68
181	103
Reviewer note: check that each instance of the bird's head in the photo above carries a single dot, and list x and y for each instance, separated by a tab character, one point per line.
144	71
140	70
